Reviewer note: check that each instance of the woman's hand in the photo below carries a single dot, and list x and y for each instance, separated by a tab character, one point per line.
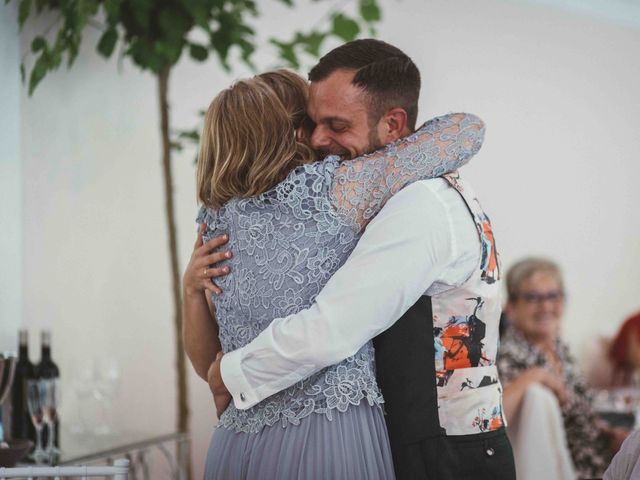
201	269
548	379
221	396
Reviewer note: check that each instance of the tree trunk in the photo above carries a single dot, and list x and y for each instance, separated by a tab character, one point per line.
182	421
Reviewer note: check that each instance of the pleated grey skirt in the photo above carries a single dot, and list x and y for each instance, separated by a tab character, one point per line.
352	446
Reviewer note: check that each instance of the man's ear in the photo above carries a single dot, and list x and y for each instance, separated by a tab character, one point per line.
393	125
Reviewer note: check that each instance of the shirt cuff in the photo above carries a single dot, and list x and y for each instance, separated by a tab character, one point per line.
231	370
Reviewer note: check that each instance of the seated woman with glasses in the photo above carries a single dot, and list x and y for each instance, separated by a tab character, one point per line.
531	352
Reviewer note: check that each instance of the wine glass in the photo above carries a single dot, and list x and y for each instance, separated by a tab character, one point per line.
82	381
35	404
51	391
106	376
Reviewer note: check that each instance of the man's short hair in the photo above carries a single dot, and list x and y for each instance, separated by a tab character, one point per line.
385	72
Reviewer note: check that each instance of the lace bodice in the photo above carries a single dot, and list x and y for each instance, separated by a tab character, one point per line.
288	242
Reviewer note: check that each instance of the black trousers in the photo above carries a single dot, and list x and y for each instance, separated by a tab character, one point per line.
483	456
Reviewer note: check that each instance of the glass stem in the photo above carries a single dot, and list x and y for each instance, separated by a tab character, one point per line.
51	426
39	449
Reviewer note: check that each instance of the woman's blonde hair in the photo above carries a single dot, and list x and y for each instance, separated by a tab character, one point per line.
523	270
249	143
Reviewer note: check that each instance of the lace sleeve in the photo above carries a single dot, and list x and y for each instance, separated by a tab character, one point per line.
215	226
362	186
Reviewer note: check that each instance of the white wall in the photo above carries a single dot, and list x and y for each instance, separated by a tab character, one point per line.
559	167
10	181
558	92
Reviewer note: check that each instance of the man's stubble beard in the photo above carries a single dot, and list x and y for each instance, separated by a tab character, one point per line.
374	140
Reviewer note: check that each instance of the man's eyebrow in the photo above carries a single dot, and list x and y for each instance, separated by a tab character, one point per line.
334	119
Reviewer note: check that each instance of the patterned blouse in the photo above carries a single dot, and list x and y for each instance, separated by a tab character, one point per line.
588	443
287	243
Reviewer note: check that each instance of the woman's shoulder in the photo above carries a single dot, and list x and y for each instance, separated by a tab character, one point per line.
303	183
310	179
213	218
206	214
321	168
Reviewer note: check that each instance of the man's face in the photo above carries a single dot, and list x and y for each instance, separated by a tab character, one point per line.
340	111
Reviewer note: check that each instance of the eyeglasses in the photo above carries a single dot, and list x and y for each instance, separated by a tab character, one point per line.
538	298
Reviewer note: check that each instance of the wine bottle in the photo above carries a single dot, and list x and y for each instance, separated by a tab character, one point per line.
21	426
48	370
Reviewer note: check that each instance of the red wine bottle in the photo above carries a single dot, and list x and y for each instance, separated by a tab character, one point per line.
21	426
48	370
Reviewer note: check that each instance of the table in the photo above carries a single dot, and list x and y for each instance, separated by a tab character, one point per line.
148	453
619	407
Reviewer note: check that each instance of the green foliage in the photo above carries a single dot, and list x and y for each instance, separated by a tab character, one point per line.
339	25
370	11
345	28
154	33
108	42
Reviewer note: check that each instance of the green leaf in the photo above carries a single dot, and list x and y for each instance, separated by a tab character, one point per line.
55	57
87	8
108	42
169	50
112	9
72	53
144	56
247	49
39	71
174	22
193	135
39	43
137	16
345	28
200	15
287	53
23	12
370	11
198	52
313	42
23	73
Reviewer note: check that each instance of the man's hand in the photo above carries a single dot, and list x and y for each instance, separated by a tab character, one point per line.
221	396
201	269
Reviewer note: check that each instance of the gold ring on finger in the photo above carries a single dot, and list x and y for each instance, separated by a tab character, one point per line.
205	271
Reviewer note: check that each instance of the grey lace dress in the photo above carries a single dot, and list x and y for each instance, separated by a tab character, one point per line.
287	243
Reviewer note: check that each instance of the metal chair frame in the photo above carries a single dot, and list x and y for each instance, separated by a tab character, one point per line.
119	471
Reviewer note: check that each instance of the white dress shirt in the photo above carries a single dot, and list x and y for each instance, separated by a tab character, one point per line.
422	242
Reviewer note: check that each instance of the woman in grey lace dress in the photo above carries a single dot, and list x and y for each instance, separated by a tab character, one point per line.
292	223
